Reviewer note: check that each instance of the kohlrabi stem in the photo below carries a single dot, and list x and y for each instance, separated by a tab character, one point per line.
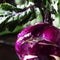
45	11
49	18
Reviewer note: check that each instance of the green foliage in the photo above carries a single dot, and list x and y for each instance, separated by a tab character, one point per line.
13	19
20	2
56	15
12	22
8	7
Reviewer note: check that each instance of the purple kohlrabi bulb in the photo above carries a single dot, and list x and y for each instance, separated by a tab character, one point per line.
50	34
38	42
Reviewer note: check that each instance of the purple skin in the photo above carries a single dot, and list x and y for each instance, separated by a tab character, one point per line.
38	42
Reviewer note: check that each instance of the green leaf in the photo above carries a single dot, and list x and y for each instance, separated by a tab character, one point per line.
58	6
54	3
38	15
6	31
4	13
31	0
7	6
4	19
18	29
40	18
56	21
20	2
10	18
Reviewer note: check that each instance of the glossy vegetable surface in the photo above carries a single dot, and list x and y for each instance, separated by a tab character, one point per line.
38	42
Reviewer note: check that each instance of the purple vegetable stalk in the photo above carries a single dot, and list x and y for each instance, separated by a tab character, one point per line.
38	42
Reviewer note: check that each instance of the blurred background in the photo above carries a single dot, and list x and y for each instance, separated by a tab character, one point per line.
7	49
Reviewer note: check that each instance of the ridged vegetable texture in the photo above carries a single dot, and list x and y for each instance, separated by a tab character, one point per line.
38	42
